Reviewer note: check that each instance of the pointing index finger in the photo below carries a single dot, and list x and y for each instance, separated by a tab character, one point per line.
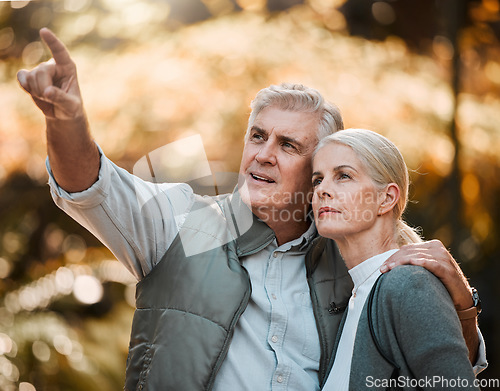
57	48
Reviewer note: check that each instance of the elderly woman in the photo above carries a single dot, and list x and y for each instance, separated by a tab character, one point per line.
401	329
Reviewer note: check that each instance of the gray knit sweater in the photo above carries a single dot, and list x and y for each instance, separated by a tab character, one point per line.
418	328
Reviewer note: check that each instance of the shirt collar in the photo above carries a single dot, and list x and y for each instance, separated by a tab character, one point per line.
302	242
307	237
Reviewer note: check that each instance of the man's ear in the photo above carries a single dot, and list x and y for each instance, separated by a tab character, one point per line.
388	198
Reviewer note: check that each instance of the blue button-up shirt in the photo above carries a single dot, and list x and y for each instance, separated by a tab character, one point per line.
275	344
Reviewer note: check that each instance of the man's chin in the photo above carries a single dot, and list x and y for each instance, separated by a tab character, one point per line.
256	198
259	203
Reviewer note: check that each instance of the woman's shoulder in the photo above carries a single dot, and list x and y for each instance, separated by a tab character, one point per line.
405	278
410	294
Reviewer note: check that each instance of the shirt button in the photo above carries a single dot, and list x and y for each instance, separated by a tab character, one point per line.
274	338
275	254
280	379
274	296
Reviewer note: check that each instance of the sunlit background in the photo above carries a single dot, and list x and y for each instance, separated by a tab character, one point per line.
424	73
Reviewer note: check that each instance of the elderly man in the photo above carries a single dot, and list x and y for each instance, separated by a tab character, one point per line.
235	291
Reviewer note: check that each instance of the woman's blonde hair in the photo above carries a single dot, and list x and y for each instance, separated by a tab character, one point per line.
385	165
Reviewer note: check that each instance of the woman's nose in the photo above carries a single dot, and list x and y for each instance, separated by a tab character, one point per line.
322	192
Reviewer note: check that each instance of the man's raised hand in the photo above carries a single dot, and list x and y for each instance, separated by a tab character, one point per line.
53	85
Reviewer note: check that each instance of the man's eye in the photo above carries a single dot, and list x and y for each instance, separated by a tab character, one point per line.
288	146
257	136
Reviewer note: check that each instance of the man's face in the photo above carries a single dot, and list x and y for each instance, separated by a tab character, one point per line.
275	171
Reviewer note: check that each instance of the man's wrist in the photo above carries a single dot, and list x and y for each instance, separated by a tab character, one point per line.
474	309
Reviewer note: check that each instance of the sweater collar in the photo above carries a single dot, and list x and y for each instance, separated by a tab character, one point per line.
361	272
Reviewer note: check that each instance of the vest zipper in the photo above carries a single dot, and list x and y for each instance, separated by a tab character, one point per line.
229	337
321	334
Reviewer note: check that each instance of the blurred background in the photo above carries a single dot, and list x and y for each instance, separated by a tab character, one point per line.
426	74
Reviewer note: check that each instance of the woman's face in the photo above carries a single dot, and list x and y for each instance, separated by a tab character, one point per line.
345	200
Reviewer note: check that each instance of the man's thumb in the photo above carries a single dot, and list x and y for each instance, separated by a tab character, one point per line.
65	105
53	95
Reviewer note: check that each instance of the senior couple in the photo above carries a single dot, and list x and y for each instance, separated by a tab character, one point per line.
234	296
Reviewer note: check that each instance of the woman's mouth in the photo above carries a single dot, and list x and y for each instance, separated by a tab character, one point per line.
326	210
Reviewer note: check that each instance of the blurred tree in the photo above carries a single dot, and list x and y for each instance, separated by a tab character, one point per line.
154	71
461	208
449	30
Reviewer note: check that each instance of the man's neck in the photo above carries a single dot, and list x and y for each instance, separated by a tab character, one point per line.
287	233
285	230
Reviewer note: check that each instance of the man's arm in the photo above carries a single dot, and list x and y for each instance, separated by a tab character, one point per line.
433	256
53	85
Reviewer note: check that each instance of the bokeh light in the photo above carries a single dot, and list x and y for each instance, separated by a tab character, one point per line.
87	289
154	73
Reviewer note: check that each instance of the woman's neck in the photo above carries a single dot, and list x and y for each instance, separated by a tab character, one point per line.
358	247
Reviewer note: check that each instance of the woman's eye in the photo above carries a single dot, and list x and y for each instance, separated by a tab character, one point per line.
316	182
344	176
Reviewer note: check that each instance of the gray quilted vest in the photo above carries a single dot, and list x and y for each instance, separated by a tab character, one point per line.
189	304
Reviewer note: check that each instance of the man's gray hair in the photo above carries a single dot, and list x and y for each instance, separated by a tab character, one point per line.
297	97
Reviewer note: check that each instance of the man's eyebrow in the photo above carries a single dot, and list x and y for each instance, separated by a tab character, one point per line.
291	140
255	128
281	138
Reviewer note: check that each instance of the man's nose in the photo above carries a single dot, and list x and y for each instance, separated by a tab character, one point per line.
266	154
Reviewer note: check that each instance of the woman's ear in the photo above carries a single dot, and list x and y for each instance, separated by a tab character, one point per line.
388	198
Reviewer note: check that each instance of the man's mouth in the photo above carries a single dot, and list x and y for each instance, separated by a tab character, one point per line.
261	178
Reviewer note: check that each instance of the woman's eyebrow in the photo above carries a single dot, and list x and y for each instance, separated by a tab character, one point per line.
335	169
343	166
